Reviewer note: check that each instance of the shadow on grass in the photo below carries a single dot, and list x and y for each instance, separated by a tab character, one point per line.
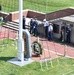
5	58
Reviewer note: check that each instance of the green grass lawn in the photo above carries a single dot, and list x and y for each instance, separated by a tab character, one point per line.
2	23
8	52
39	5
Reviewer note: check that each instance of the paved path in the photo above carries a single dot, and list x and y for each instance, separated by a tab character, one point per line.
50	49
53	49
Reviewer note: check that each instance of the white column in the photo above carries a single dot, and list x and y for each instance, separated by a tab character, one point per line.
20	18
46	9
20	39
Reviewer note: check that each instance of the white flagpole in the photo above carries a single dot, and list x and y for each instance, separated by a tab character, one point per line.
20	19
20	39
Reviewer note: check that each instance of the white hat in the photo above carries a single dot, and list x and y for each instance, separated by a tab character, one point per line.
35	18
44	20
68	24
50	23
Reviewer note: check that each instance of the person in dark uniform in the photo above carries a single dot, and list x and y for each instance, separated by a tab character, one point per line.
35	27
68	33
62	33
24	20
31	26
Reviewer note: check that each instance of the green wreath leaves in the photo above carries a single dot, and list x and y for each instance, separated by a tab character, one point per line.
38	50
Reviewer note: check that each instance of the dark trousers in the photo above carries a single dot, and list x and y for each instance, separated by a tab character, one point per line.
50	36
61	37
24	26
46	31
68	38
35	32
31	29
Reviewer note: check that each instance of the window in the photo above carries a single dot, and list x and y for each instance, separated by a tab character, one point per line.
71	25
55	28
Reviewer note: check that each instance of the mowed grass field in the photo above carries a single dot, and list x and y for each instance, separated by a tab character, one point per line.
38	5
65	66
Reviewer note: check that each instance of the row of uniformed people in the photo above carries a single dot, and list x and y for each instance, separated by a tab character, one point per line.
48	27
66	29
34	27
48	30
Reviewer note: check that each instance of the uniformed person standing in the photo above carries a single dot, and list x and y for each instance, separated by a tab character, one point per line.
24	22
50	32
31	25
45	23
62	33
68	33
35	27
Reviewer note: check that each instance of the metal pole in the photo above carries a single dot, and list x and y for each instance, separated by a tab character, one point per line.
46	9
20	39
20	19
